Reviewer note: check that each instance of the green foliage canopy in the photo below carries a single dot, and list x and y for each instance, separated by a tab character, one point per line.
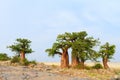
82	46
60	45
107	50
21	45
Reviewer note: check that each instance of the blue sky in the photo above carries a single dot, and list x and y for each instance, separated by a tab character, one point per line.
42	20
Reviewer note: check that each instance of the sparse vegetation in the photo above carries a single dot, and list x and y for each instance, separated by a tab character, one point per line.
15	59
97	66
79	66
4	57
26	62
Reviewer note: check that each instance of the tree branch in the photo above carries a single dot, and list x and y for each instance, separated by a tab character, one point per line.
58	53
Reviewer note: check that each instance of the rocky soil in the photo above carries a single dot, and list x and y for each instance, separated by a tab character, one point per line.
47	72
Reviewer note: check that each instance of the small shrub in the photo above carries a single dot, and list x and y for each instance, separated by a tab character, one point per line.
78	66
27	62
87	67
82	67
4	57
15	59
33	62
54	66
97	66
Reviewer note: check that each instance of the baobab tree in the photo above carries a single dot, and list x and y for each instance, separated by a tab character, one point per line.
60	47
106	51
82	47
21	47
74	38
84	50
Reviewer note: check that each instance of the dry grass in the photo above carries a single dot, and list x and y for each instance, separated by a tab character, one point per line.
92	74
115	65
52	63
112	65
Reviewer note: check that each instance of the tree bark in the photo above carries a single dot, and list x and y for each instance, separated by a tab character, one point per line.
22	56
105	60
75	61
65	59
82	63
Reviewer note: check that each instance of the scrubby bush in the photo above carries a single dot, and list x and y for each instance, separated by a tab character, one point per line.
4	57
79	66
15	59
33	62
97	66
88	67
27	62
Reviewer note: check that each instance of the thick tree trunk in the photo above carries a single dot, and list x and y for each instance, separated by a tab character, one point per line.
22	56
75	61
65	59
105	60
82	64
